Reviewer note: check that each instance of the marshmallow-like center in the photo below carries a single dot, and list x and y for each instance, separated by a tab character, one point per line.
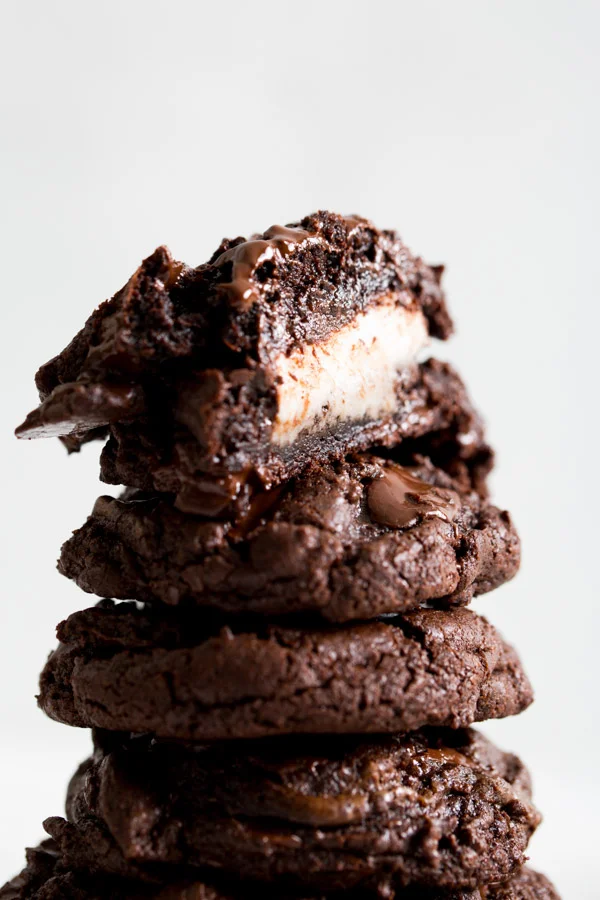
349	376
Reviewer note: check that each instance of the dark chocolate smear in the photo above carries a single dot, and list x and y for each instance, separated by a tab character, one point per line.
246	257
398	499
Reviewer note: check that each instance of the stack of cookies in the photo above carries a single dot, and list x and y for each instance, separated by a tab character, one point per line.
282	679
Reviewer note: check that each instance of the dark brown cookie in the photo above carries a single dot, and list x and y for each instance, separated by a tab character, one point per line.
348	541
125	669
254	364
436	808
433	409
526	885
255	303
46	877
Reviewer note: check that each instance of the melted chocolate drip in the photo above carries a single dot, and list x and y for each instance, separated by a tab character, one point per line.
353	222
258	511
246	257
398	499
211	497
447	755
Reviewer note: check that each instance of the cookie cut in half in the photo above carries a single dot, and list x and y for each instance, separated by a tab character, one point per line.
278	349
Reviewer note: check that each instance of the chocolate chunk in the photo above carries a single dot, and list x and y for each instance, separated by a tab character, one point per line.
128	669
347	541
398	498
99	404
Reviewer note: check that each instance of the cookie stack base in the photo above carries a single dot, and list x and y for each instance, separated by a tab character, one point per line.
45	878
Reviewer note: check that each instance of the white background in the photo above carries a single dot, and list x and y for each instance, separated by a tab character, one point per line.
471	126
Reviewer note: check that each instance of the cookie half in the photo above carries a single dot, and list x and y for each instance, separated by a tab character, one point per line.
348	541
318	316
434	808
127	669
257	362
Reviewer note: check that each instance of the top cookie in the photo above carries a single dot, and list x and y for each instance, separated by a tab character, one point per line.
306	331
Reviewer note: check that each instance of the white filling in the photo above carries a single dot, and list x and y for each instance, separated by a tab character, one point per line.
349	376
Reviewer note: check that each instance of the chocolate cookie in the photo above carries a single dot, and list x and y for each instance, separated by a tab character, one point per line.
264	357
348	541
46	877
127	669
436	808
434	413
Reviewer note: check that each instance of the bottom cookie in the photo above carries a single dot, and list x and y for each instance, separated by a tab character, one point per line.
45	879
